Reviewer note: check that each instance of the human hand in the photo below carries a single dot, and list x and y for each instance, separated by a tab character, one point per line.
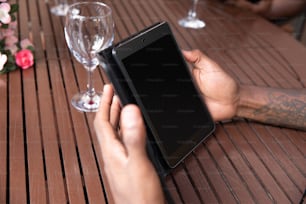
262	7
131	176
220	91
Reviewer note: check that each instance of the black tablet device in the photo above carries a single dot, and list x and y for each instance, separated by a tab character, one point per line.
148	69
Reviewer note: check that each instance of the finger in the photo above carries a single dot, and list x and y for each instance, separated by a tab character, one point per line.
105	103
101	121
112	149
106	134
133	131
115	112
201	61
195	56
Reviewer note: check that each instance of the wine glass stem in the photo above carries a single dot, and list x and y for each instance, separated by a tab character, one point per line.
90	89
192	12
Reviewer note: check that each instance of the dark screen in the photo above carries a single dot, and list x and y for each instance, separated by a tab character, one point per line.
169	97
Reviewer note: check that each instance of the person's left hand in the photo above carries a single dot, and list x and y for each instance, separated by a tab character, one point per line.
131	176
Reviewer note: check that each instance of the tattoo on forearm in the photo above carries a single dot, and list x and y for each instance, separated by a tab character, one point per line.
282	109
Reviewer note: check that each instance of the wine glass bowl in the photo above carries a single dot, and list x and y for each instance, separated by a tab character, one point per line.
89	28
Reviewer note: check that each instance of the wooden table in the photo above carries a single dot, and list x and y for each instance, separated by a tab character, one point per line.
49	152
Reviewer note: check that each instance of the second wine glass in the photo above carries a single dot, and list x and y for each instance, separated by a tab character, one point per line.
89	28
60	9
192	21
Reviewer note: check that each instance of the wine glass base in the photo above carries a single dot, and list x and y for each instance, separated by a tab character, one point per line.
85	103
191	23
60	10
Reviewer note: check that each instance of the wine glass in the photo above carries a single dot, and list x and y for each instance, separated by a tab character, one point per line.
89	28
192	21
61	8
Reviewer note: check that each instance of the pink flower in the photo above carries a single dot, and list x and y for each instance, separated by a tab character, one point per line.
7	32
11	40
25	43
13	25
12	48
4	13
3	60
24	58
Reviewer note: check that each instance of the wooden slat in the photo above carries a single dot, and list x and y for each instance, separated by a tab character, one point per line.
56	191
181	178
3	138
36	175
260	161
172	189
235	155
280	147
17	159
200	181
234	179
215	177
297	138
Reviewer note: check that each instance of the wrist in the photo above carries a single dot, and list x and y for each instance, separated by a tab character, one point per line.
249	100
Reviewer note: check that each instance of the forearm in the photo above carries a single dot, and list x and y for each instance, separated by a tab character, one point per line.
286	8
280	107
274	9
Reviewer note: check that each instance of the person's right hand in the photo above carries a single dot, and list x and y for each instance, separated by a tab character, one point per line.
131	175
220	91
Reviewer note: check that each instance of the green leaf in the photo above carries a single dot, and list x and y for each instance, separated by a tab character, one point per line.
4	26
2	44
14	8
31	48
13	18
3	71
11	67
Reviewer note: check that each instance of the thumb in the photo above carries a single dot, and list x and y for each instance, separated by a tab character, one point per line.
192	56
133	131
201	61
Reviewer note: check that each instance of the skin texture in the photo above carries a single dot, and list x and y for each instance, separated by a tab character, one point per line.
131	176
280	107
